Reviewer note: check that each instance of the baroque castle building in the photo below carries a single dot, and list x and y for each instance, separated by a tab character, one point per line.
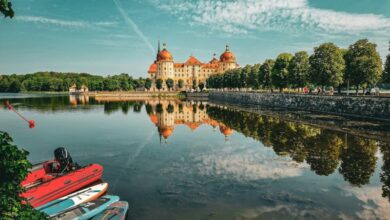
189	72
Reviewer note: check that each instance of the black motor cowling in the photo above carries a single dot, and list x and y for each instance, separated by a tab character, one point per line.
63	157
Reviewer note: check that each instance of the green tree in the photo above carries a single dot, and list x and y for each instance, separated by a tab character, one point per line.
253	77
244	76
201	86
148	84
363	64
280	71
299	70
180	83
6	8
265	74
159	84
386	71
326	65
169	83
13	170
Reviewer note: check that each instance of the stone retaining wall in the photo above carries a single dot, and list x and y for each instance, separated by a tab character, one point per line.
369	107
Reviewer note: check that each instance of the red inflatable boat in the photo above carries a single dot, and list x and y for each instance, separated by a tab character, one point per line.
52	179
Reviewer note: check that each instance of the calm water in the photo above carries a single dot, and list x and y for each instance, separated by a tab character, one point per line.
188	160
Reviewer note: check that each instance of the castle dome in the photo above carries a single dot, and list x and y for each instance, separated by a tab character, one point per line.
165	131
164	55
225	130
227	56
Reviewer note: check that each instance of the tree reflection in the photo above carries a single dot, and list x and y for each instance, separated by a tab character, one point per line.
323	152
358	160
322	149
385	174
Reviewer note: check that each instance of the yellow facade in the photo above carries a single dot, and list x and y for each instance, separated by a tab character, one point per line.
166	114
190	71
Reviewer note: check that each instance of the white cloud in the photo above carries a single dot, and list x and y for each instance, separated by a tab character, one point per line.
284	15
374	205
240	163
63	23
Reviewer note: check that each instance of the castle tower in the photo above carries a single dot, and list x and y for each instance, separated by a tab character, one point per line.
164	63
227	60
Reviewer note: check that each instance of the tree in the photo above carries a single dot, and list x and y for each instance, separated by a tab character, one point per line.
159	84
265	74
201	86
280	71
194	84
244	75
169	83
386	71
253	77
299	69
363	64
148	84
6	8
180	83
326	65
13	170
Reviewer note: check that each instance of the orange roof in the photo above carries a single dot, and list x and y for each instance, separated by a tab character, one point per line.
178	64
165	131
153	118
164	55
227	56
152	68
214	60
193	61
210	65
225	130
193	126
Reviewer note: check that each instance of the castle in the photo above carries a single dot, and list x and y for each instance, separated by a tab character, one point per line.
189	72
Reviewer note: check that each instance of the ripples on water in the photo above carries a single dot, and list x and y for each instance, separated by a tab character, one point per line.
200	160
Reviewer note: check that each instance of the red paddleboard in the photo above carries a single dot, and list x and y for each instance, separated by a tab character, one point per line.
43	187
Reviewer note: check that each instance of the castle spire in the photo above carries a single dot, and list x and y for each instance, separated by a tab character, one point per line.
158	47
227	48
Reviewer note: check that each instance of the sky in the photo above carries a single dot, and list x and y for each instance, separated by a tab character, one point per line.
108	37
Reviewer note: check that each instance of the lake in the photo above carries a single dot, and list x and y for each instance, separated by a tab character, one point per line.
173	159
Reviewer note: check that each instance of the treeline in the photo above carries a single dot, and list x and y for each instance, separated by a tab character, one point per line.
58	82
329	66
325	151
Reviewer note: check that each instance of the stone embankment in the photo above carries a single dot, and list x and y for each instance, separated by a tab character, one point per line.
367	107
133	95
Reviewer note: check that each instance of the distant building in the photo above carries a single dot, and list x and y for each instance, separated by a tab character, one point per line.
73	89
191	70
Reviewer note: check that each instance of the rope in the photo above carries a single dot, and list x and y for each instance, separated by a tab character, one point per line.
31	123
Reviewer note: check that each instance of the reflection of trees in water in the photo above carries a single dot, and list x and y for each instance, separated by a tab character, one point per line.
323	152
385	174
358	160
53	103
111	107
170	108
321	149
149	108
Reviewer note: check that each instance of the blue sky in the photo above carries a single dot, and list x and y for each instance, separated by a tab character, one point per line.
115	36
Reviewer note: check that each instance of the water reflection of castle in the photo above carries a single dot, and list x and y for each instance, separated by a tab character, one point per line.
78	99
166	114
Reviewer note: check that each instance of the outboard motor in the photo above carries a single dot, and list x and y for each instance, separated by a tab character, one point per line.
63	157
